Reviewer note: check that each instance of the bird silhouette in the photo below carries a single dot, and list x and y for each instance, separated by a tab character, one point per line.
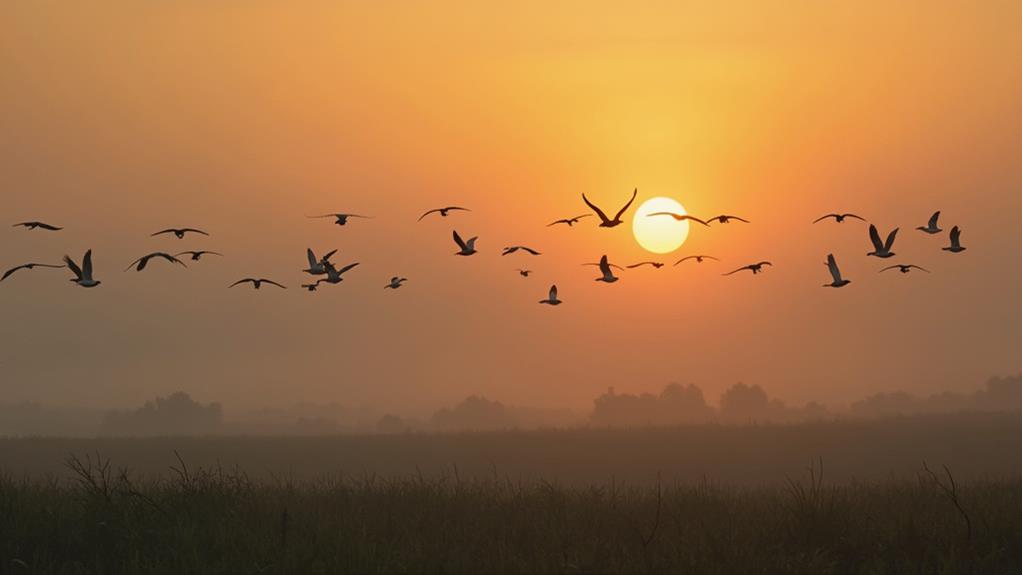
569	221
34	225
83	275
179	232
333	275
679	217
604	221
311	287
904	268
698	259
524	273
724	219
881	249
656	265
835	274
552	298
257	283
395	282
467	248
196	255
28	266
513	249
144	260
605	269
317	267
839	218
341	219
443	211
931	227
754	268
956	241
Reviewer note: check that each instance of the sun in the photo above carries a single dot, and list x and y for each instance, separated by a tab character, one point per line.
659	234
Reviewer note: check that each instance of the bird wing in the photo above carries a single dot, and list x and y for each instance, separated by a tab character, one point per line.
459	241
933	220
956	233
554	223
821	218
46	226
735	218
890	240
765	263
312	257
686	258
87	264
598	211
140	262
553	292
889	268
428	213
510	250
874	236
635	192
472	242
73	266
855	216
241	281
605	266
194	230
346	268
325	216
738	270
640	264
530	250
271	282
328	255
919	268
170	258
166	231
12	270
832	266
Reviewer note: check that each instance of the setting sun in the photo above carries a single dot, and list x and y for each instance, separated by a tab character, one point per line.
660	234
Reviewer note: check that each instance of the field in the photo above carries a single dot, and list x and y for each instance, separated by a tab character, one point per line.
924	494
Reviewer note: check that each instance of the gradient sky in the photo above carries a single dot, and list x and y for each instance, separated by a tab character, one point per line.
123	118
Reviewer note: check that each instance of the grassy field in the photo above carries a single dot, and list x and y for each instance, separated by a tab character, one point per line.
87	514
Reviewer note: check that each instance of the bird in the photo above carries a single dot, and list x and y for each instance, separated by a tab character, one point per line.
931	226
195	255
839	218
395	282
698	259
317	267
179	232
835	273
513	249
342	219
569	221
524	273
27	267
754	268
467	248
904	268
956	243
142	261
257	282
552	298
333	275
726	219
679	217
83	275
608	276
443	211
881	249
605	222
34	225
311	287
657	265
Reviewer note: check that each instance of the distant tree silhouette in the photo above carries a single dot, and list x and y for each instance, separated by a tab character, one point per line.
746	403
390	423
675	404
474	412
177	414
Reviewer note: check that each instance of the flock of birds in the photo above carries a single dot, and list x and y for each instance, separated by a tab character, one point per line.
325	271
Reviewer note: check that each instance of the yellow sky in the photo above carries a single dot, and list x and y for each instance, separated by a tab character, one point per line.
122	118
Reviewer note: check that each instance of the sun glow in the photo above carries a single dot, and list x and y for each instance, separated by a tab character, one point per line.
659	234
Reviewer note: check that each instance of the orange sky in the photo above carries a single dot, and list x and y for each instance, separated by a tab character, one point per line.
122	118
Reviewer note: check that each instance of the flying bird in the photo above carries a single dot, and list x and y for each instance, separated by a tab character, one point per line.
569	221
443	211
608	275
513	249
657	265
839	218
27	267
395	282
726	219
698	259
257	283
881	249
679	217
524	273
144	260
341	219
904	268
83	275
467	248
34	225
195	255
835	273
317	267
956	243
605	222
311	287
931	227
179	232
333	275
552	298
754	268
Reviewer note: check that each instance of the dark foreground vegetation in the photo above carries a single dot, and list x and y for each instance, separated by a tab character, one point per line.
220	521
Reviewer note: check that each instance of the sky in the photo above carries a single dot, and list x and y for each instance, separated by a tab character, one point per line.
122	118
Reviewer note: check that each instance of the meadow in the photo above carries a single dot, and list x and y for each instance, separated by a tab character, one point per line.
920	494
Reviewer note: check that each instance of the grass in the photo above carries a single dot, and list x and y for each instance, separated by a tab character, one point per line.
102	520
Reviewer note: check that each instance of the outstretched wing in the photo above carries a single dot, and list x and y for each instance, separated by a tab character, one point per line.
956	233
428	213
195	231
312	257
346	268
635	192
919	268
328	255
874	236
855	216
821	218
87	264
271	282
889	268
166	231
553	292
73	266
459	241
598	211
743	268
832	266
890	240
933	220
